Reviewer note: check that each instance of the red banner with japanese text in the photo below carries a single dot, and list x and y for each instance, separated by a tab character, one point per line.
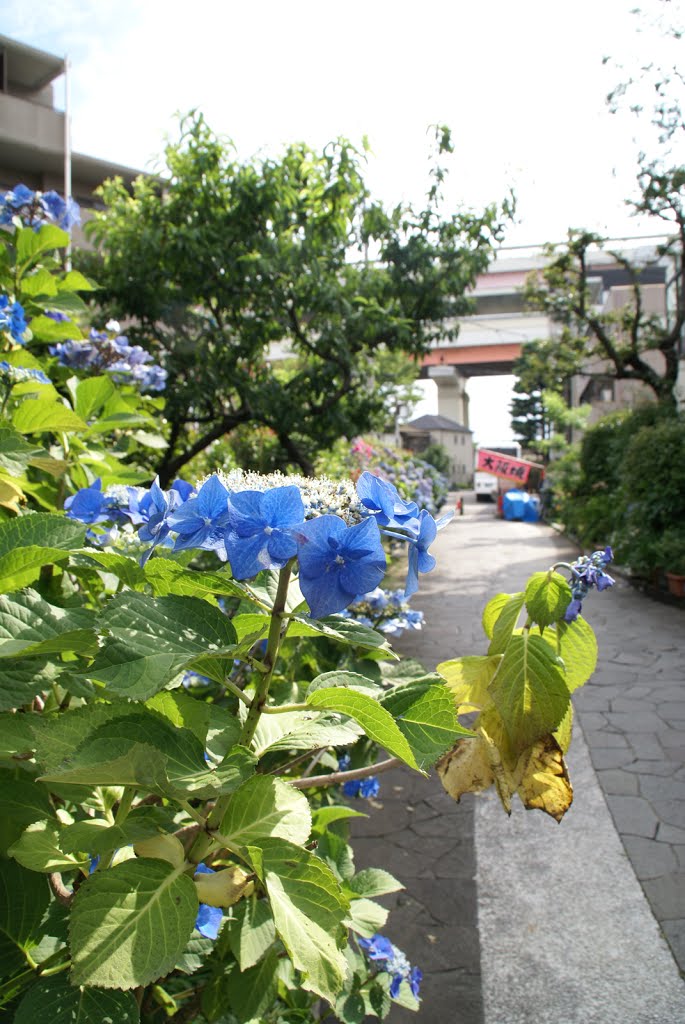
506	467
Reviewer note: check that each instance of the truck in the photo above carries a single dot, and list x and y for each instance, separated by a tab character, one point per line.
486	484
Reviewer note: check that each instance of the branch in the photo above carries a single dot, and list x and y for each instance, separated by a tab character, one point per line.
59	889
335	778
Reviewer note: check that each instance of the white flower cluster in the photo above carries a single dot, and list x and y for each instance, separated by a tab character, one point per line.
320	495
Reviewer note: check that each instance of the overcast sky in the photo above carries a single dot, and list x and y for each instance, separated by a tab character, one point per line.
521	84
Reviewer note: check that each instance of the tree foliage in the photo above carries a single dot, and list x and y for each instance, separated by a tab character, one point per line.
251	277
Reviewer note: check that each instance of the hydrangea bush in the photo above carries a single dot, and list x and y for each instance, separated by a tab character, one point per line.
197	691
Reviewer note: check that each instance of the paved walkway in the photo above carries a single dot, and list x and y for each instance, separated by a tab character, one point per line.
522	919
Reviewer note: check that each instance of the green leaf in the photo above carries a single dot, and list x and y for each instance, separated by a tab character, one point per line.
30	243
130	924
529	690
265	806
57	1001
30	627
28	543
91	395
309	908
183	711
547	597
140	748
253	992
505	624
345	680
75	281
427	716
45	329
576	644
22	801
373	882
98	836
127	569
41	282
15	735
168	577
153	639
41	529
375	720
300	731
345	631
21	682
15	453
37	416
492	611
38	849
24	898
322	817
366	917
255	931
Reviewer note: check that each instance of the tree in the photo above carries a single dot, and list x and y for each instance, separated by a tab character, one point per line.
618	340
243	274
543	372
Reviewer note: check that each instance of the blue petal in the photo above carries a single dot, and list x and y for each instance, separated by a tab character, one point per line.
247	555
282	506
282	546
208	921
245	513
324	595
212	498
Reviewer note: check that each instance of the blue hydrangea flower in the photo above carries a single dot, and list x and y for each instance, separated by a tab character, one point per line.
21	374
12	319
89	505
383	500
367	788
208	920
260	534
337	562
343	762
155	510
419	560
378	947
202	521
588	572
391	959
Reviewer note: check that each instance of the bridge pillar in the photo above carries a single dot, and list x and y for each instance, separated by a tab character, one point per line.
453	402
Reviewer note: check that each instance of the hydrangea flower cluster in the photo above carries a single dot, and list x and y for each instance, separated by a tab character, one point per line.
415	479
380	951
30	208
259	523
12	319
109	351
387	611
588	572
20	374
367	788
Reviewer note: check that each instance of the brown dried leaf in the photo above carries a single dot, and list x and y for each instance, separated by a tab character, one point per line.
545	784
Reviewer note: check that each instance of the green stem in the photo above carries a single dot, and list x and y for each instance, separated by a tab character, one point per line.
124	805
282	709
206	840
273	645
191	812
237	692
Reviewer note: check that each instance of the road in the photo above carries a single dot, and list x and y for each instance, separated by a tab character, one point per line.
520	919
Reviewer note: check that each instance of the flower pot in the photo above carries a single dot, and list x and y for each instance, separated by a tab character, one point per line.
676	584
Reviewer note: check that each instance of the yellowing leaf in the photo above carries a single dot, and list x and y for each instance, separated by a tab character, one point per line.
468	680
466	768
545	784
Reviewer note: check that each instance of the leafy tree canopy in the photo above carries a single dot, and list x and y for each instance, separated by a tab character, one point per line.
253	278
